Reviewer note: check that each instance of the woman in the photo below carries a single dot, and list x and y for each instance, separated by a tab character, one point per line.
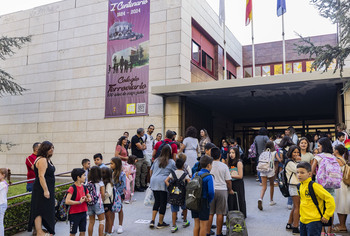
204	140
190	146
157	139
341	127
160	170
121	149
42	211
304	146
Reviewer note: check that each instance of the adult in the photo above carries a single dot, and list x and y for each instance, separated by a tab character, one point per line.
204	140
121	149
341	127
290	131
42	212
148	140
190	146
30	166
160	170
169	135
137	147
157	139
260	142
128	142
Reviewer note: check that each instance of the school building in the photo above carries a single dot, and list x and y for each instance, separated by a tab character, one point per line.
64	69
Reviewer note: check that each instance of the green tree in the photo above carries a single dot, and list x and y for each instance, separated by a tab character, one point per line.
337	11
7	45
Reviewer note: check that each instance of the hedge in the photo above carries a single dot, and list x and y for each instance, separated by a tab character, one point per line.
18	211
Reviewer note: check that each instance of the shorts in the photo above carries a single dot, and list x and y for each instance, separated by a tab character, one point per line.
203	213
148	158
75	220
219	204
107	207
269	174
293	190
95	209
175	208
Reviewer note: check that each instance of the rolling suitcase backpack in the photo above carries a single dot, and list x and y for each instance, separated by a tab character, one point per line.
235	222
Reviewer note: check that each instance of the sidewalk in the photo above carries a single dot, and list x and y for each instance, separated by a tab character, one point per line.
271	221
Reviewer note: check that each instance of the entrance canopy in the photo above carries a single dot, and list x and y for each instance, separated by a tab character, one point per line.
275	98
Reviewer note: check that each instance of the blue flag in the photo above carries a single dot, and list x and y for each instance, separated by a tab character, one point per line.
281	7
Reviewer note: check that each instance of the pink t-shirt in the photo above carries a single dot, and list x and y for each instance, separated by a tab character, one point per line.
122	151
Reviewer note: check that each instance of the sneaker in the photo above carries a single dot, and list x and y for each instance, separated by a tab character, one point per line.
174	229
186	224
126	202
272	203
295	230
212	232
163	225
151	224
213	226
120	229
288	226
290	207
260	205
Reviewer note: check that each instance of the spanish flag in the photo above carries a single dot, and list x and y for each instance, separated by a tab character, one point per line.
248	12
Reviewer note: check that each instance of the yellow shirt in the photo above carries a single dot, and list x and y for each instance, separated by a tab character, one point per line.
308	210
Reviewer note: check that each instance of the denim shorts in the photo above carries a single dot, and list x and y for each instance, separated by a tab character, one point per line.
175	208
96	209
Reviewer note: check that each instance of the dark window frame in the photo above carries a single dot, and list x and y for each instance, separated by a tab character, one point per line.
198	63
204	63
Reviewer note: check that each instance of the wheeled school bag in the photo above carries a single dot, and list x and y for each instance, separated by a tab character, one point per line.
235	223
194	192
177	190
283	182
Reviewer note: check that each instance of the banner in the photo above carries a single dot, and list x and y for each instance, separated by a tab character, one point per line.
127	58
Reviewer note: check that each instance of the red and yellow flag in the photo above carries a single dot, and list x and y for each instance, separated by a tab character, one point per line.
248	12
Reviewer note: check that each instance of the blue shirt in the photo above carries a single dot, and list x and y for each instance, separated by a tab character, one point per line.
207	185
102	165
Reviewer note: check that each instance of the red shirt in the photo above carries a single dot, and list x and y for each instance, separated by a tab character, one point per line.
173	146
29	162
80	193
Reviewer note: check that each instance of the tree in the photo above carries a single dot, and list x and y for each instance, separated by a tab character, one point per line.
337	11
7	84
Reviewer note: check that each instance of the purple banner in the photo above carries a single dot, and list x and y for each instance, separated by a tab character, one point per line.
127	58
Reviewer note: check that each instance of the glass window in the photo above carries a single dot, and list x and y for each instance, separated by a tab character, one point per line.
266	71
308	66
207	62
258	71
230	75
278	69
297	67
195	52
247	72
289	68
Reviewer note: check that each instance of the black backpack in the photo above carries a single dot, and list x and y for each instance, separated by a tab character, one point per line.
177	190
283	182
161	147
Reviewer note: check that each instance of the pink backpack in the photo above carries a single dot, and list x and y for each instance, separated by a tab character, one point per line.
329	173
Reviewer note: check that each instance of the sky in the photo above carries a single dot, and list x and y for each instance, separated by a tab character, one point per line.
301	17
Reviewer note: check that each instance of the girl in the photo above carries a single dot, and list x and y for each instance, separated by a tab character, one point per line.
106	174
121	149
236	171
291	174
4	173
160	170
224	152
119	180
270	147
304	146
130	170
343	194
94	178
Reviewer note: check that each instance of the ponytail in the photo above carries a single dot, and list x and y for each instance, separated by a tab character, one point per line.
342	151
7	173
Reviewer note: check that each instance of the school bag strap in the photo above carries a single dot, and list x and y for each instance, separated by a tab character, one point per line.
285	166
183	176
74	194
173	174
313	197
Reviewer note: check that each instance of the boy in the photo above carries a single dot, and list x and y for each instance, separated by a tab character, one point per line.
98	160
86	166
222	187
207	149
201	217
340	139
78	209
174	208
310	218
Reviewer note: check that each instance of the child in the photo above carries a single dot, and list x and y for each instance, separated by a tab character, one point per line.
310	218
340	139
201	217
86	166
78	209
130	170
224	152
186	167
174	208
98	158
106	174
4	173
97	209
119	180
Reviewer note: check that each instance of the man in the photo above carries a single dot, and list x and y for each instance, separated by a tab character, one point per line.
137	147
30	166
168	140
147	153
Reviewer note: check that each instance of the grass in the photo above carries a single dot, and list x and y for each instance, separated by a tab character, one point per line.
19	189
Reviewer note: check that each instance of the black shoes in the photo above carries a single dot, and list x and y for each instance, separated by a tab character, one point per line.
162	225
295	230
151	224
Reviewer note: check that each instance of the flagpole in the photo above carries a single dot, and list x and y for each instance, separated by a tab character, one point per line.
225	61
284	46
253	50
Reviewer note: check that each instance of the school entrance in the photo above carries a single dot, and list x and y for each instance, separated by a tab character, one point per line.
310	102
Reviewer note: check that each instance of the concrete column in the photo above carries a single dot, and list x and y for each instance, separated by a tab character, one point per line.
173	116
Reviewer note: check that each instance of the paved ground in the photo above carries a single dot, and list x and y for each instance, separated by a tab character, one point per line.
271	221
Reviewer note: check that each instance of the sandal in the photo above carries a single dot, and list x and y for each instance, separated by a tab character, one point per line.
337	229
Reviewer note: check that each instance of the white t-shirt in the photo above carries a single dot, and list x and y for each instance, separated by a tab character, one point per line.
178	174
98	188
149	144
108	194
221	174
3	192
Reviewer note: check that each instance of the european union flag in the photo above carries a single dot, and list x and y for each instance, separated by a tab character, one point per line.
281	7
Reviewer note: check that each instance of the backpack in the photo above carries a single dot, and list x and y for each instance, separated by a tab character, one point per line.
194	192
329	173
265	162
252	151
283	182
117	201
92	191
63	208
177	190
161	147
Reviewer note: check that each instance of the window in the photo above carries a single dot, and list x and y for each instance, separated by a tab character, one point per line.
278	69
230	75
247	72
266	71
195	52
207	62
308	66
258	71
289	68
297	67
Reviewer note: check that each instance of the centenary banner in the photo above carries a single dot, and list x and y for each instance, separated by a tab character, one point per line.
127	58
